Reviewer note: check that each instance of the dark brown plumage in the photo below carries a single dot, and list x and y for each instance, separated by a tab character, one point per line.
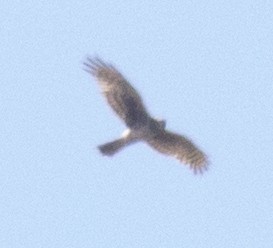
128	105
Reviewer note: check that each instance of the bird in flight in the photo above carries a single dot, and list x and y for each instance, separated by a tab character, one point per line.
128	105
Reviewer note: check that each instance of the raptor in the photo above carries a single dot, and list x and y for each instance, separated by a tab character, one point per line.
128	105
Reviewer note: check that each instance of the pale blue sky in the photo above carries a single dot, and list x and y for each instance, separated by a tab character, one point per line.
205	66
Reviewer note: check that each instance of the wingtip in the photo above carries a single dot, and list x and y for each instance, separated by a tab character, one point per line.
200	168
94	64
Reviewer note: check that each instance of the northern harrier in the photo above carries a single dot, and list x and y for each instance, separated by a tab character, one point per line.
128	105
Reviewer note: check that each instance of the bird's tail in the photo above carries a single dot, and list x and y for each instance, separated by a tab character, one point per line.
113	147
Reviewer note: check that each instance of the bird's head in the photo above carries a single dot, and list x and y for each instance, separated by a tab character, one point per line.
158	123
162	123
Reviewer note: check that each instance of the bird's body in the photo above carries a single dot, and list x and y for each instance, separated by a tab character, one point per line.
128	105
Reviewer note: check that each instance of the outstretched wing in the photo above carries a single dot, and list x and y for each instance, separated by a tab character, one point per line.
181	148
121	96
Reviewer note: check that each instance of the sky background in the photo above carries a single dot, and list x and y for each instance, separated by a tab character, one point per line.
205	66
